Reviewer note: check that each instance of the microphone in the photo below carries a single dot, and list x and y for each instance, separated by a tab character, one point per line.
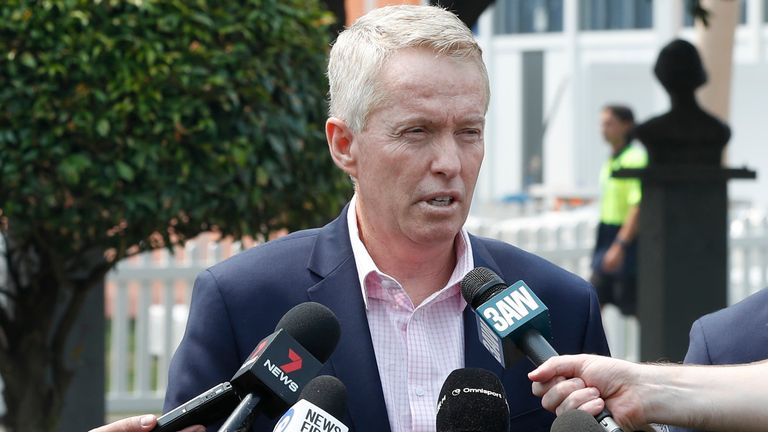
513	322
272	376
575	421
472	400
322	402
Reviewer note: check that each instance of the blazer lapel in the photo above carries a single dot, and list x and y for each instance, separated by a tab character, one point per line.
353	361
475	354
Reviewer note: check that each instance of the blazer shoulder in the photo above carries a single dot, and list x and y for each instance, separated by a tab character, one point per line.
273	257
736	334
751	310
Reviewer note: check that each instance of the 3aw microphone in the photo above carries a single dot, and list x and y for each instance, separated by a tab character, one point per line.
472	400
272	376
321	404
512	322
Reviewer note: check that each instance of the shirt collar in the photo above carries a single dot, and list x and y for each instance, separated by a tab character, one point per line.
365	265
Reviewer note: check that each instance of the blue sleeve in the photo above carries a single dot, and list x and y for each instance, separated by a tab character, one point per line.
207	354
594	338
698	351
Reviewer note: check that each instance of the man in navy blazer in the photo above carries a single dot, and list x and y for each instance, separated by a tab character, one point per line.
408	97
734	335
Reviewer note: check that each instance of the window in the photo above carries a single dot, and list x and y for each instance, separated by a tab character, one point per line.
615	14
528	16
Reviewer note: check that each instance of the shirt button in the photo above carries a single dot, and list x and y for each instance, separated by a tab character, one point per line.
419	391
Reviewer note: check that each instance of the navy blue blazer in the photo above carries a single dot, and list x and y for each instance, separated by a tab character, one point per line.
240	300
734	335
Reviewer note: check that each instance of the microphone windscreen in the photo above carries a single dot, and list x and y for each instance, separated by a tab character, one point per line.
479	285
576	421
472	400
328	393
314	326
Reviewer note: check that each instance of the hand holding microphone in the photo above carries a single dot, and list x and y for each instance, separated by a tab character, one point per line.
513	322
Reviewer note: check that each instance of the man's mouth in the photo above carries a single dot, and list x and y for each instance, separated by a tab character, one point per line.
441	201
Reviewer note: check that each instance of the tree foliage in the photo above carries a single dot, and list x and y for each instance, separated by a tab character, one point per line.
131	125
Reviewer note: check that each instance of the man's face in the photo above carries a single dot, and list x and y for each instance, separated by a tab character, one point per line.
418	157
614	130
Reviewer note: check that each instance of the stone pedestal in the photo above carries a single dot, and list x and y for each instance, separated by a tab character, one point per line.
683	252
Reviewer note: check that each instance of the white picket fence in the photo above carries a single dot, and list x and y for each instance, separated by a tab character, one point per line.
142	291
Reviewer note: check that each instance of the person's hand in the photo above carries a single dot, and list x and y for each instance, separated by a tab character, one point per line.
590	383
613	258
139	424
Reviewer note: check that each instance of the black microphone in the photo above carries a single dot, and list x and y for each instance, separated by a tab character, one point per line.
512	322
321	404
272	376
575	421
472	400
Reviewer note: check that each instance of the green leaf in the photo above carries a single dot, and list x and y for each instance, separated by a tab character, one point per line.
102	127
124	171
28	60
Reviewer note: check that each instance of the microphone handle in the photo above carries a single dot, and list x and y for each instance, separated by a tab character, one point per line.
538	349
242	417
605	420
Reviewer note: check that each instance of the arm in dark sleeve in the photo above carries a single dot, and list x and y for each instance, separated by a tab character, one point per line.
698	351
594	338
207	354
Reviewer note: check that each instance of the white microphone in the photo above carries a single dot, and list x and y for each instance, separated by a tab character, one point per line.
321	403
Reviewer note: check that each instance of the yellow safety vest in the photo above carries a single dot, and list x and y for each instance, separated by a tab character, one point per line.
621	194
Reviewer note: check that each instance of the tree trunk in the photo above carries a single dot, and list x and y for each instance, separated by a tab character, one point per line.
45	294
32	402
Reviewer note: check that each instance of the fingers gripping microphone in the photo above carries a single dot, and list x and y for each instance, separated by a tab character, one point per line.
273	374
513	322
321	404
472	400
575	421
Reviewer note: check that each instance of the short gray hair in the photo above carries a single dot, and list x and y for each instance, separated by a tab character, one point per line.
362	50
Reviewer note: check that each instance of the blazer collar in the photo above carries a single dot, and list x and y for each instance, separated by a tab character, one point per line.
354	360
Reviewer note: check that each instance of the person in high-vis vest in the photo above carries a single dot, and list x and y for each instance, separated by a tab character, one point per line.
614	263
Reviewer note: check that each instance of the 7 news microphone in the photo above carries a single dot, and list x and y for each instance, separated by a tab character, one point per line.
513	322
472	400
321	404
271	378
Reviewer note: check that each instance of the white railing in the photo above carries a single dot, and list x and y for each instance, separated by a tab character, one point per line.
142	334
141	291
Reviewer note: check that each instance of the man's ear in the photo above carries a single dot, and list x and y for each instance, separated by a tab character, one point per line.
340	139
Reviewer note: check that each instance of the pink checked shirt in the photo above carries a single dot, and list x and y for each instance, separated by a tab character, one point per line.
416	346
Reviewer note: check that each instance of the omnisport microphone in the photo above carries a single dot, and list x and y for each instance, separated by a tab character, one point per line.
321	404
272	376
472	400
513	322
